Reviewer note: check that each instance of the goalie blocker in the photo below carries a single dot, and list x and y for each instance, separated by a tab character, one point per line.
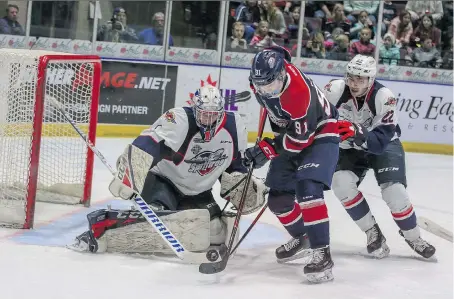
173	165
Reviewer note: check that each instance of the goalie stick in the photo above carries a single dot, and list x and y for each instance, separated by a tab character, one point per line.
216	267
212	255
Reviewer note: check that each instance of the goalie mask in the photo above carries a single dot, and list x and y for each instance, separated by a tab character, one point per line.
208	107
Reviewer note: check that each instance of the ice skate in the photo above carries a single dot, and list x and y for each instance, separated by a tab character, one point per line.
320	267
294	249
376	242
420	246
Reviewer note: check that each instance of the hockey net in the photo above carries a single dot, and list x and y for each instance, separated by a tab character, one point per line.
41	156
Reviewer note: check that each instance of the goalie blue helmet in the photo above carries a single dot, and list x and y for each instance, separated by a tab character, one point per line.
268	71
208	107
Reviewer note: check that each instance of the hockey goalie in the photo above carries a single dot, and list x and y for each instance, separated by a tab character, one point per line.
173	165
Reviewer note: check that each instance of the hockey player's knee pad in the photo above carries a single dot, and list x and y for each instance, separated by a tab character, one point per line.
396	197
280	201
344	185
308	190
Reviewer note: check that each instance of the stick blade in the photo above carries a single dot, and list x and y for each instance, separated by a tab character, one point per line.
430	226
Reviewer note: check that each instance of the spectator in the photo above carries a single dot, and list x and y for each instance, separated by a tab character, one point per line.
363	46
249	14
155	35
363	22
237	41
9	23
389	53
419	8
330	38
315	47
326	8
116	30
426	56
275	18
354	7
389	13
340	50
446	23
262	37
402	29
426	29
337	20
447	57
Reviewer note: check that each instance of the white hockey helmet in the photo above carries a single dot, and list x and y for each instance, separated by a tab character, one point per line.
360	75
208	107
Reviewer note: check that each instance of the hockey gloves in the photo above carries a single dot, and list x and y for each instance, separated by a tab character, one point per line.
356	133
259	154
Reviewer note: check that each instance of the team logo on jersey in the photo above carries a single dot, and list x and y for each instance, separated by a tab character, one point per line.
391	101
206	161
170	117
196	149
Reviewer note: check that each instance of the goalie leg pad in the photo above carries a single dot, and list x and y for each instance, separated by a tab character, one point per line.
232	186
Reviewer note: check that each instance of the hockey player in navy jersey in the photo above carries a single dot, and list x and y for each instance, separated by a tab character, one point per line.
370	139
173	165
303	156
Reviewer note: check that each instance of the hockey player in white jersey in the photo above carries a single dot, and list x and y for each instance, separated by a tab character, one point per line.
370	139
174	165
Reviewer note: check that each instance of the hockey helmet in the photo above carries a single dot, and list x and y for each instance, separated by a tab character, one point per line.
360	74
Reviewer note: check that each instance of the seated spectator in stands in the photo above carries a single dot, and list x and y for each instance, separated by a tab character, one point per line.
249	14
389	13
237	41
116	30
9	23
315	47
402	29
354	7
446	23
325	9
363	46
337	20
275	18
262	37
330	38
426	29
293	24
447	57
155	35
419	8
363	22
426	56
340	50
389	53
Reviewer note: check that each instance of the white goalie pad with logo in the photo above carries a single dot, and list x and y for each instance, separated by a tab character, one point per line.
232	186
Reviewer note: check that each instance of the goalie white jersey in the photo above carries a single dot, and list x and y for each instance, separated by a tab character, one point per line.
183	157
377	113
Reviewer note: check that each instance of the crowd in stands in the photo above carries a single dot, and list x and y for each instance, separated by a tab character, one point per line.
412	33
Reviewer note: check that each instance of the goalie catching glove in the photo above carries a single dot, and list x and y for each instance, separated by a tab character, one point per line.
133	166
232	186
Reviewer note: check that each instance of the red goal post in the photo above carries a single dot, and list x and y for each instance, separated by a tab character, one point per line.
41	156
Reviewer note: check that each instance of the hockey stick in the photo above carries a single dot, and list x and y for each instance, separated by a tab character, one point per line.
211	268
249	228
430	226
212	255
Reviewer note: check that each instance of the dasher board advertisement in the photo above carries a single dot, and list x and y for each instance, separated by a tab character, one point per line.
135	93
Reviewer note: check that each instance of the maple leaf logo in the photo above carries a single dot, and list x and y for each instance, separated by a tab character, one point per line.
209	81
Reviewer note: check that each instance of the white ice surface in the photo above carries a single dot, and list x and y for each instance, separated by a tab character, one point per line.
35	272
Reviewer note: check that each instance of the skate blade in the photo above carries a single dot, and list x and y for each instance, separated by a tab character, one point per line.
78	246
305	255
381	252
320	277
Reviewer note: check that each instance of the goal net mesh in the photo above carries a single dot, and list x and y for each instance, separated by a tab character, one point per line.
62	171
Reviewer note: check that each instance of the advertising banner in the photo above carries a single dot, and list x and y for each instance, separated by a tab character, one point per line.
133	93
